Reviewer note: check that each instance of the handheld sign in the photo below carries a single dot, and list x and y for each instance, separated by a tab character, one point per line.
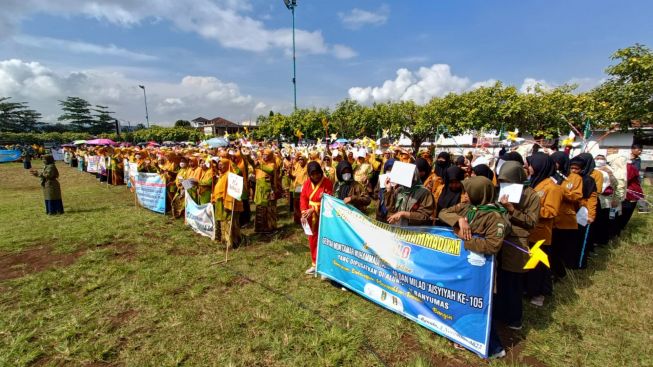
234	186
402	174
513	190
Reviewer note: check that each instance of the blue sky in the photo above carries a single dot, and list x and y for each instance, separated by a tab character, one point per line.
232	58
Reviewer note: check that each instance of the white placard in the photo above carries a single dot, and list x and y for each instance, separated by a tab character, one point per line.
513	190
402	174
307	227
382	179
234	185
188	184
582	215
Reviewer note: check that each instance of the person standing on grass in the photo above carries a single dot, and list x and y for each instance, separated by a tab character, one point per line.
27	158
583	165
565	227
309	201
409	206
512	258
541	167
50	185
482	224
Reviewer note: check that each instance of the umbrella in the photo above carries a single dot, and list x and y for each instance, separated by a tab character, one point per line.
78	142
125	144
216	142
101	142
342	141
152	144
67	145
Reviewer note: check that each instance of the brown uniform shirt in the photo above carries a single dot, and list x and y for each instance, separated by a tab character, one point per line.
550	199
572	192
491	226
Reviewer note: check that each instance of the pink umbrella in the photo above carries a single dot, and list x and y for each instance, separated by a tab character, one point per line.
152	144
101	142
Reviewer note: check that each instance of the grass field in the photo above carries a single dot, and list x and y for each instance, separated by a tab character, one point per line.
109	284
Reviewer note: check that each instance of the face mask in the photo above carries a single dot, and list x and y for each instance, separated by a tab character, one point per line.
137	156
207	164
600	163
346	176
182	165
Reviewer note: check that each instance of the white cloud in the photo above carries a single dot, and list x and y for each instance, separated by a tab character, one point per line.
343	52
530	85
192	96
221	21
357	18
81	47
420	86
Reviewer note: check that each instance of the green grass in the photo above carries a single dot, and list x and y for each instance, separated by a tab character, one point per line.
145	291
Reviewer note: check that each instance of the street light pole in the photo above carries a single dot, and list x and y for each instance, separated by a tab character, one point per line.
147	117
291	4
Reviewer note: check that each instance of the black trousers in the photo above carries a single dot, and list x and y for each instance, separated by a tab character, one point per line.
508	301
562	250
538	280
628	208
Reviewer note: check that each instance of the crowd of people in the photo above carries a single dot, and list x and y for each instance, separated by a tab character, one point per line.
573	204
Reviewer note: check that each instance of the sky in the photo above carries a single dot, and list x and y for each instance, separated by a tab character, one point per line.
233	58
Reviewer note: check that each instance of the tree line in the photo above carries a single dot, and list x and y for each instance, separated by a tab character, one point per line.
625	96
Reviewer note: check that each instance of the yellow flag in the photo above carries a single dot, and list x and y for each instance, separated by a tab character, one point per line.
334	136
299	134
536	256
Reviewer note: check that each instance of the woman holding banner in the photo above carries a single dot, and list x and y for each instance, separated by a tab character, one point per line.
265	196
483	225
50	185
310	200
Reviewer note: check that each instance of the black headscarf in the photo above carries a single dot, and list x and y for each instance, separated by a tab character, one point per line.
589	185
512	156
313	167
562	160
484	171
460	161
543	167
388	165
441	167
343	187
450	198
423	167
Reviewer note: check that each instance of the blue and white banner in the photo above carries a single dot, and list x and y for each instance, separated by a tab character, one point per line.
9	155
92	163
151	191
57	154
200	217
422	273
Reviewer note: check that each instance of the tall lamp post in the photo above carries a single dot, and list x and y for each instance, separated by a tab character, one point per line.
291	4
147	117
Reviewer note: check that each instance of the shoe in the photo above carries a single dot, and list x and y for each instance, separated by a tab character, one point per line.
310	271
537	301
499	354
343	289
515	326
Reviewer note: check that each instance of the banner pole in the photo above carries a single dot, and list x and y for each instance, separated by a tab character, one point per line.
231	227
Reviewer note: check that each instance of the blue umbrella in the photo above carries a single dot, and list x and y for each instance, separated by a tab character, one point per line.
342	140
216	142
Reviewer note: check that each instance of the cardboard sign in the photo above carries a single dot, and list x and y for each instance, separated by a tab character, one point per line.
234	186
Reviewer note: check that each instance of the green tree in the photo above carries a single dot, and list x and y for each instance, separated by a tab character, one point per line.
17	116
103	121
77	112
628	94
182	123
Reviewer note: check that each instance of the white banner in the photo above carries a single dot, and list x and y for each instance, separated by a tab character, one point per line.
57	154
125	175
200	217
92	163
